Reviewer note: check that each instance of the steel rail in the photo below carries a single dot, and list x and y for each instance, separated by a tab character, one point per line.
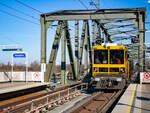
98	103
48	100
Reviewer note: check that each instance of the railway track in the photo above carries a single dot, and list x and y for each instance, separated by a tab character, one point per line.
41	100
100	102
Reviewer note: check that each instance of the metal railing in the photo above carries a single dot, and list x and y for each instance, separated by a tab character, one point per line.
48	101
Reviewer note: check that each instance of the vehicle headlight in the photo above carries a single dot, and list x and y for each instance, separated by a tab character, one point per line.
122	70
95	69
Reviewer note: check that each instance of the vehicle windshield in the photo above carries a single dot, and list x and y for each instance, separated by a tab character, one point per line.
100	56
116	56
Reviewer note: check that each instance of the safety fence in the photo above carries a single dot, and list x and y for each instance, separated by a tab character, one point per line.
21	76
47	102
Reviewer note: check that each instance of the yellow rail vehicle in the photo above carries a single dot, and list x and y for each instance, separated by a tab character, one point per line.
110	67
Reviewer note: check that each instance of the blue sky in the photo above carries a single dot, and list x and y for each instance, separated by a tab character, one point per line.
27	35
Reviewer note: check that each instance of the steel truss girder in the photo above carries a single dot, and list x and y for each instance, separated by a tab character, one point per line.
77	48
51	63
93	14
93	32
86	50
89	45
131	45
108	39
135	16
124	37
82	43
85	41
121	38
121	26
98	36
119	21
123	32
63	53
141	54
70	52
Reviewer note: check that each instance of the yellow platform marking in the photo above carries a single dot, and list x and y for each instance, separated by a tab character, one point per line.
131	100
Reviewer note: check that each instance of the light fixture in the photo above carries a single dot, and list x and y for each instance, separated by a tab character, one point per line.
148	1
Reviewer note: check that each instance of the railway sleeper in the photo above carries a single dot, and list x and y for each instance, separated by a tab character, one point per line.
56	103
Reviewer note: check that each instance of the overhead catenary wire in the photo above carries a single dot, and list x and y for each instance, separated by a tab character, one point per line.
5	12
83	4
26	5
21	12
94	4
11	40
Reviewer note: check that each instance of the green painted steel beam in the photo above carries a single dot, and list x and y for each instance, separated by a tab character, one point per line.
121	26
123	32
98	33
91	16
89	45
63	54
141	55
118	20
77	48
93	32
81	45
86	50
53	54
107	35
70	52
43	39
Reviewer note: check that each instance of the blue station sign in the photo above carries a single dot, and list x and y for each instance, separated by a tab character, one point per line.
13	49
148	48
19	55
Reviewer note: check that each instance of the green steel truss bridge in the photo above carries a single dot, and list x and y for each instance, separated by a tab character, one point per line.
126	26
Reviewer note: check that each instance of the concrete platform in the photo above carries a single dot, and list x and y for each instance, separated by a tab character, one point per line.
17	86
136	99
